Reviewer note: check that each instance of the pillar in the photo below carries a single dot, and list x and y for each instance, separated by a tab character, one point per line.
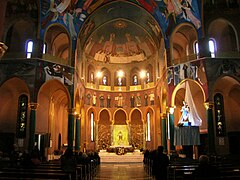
211	137
171	129
32	125
164	133
77	133
70	127
203	46
3	7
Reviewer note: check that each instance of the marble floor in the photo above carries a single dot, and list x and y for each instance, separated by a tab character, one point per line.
121	171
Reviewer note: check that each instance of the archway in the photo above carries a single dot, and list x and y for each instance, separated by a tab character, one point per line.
52	115
10	92
136	129
104	129
227	121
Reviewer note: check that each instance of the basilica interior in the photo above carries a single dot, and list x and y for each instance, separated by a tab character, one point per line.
96	75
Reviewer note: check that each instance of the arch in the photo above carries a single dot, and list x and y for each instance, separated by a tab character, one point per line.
179	86
181	41
17	32
59	43
105	109
122	113
224	31
231	97
149	108
10	91
135	109
192	93
105	73
134	76
91	74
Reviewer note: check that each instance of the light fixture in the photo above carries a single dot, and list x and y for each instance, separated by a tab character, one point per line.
98	74
142	74
120	73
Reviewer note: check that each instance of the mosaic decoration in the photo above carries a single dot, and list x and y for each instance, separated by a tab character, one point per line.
73	13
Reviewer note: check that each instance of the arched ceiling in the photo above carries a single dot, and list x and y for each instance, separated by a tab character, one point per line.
124	22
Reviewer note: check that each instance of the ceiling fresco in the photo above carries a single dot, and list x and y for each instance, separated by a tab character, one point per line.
149	15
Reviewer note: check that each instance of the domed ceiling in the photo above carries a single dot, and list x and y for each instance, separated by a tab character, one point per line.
120	32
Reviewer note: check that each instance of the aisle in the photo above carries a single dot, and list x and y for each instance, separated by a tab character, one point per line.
121	171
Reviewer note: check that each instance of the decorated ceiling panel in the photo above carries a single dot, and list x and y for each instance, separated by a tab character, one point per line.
148	15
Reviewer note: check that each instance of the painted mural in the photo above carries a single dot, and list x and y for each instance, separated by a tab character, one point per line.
73	13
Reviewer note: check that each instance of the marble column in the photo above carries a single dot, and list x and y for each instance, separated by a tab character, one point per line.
171	128
77	133
70	127
164	133
211	137
32	125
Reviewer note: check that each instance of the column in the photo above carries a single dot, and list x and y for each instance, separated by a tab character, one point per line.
96	136
144	135
211	137
164	132
70	127
203	47
32	125
171	129
77	133
3	7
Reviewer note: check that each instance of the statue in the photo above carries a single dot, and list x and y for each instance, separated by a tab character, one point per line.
184	120
120	135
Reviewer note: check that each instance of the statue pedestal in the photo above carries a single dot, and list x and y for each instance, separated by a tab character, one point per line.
188	137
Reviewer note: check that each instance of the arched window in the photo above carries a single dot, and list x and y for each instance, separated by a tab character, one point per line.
29	49
92	126
104	80
148	78
22	116
212	47
135	80
148	125
119	81
44	48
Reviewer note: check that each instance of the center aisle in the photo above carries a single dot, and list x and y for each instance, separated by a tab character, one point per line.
122	171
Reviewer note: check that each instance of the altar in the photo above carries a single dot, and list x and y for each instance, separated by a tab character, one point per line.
187	135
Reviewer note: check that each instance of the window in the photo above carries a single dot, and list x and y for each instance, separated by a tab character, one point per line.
22	116
135	80
212	47
148	138
104	80
92	125
92	77
29	48
148	77
119	81
196	48
44	48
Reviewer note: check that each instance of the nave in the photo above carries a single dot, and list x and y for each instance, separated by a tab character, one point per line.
122	171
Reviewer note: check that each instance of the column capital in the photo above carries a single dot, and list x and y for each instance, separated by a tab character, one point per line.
33	105
171	109
208	105
72	111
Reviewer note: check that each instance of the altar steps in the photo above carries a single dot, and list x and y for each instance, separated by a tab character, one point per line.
135	157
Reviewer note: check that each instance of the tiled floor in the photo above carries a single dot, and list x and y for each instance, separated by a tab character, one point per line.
121	171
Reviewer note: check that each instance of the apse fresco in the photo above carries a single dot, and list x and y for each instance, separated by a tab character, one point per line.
124	40
73	13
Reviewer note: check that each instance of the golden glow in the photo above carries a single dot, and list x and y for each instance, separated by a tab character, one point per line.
142	74
120	73
98	74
